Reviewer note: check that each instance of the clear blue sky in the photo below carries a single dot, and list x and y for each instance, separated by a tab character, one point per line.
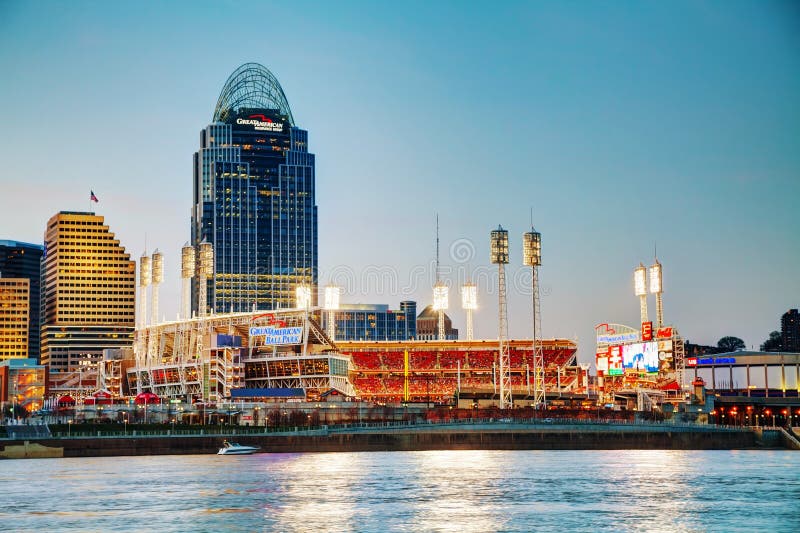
623	124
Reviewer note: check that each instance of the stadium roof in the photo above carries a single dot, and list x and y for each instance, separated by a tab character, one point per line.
251	86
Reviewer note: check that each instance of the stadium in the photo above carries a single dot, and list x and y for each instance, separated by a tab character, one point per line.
254	354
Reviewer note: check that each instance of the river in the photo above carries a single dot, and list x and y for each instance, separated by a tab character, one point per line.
462	491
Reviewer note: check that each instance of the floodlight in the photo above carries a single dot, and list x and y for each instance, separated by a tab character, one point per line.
440	297
469	296
655	278
332	294
640	280
303	296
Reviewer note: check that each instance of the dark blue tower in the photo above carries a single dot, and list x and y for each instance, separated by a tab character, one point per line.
254	197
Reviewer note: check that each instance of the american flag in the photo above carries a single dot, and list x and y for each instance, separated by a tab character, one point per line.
92	197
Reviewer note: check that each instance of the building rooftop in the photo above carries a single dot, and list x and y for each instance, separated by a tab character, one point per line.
20	244
251	86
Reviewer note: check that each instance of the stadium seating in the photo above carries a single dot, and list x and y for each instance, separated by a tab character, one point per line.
422	360
366	361
482	360
450	360
393	360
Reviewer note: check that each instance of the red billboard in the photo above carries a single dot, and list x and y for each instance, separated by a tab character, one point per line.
647	331
664	333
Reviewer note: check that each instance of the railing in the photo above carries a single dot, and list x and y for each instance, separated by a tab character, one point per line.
603	425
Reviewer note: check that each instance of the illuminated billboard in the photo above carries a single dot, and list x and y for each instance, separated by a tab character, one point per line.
642	356
278	336
614	361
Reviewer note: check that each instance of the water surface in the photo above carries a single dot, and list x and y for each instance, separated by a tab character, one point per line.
463	491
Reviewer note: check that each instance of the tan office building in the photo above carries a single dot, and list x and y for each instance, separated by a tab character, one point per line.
88	292
14	317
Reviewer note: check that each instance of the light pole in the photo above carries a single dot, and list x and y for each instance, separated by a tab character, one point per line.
69	428
499	257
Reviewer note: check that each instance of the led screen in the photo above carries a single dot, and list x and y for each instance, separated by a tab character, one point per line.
641	356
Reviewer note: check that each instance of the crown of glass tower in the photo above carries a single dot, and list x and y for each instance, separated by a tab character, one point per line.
251	86
254	198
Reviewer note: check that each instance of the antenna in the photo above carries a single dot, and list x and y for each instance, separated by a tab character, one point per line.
440	292
437	247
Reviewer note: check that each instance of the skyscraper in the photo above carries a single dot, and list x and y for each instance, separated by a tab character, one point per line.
790	331
14	317
254	197
88	291
22	260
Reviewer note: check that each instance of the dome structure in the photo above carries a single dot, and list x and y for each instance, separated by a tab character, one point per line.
251	86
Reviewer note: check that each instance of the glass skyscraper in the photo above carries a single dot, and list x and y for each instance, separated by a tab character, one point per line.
22	260
254	197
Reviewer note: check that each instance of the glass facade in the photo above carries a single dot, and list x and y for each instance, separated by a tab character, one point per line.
254	200
355	322
22	260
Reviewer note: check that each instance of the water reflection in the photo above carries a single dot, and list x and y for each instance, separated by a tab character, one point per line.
461	491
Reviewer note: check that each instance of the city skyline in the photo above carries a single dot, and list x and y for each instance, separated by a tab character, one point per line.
544	109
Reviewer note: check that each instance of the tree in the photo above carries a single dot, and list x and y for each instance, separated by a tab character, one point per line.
730	344
774	343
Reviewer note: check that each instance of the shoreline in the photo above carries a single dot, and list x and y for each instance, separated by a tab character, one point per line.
484	436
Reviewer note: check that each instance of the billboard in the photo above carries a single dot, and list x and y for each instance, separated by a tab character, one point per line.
615	360
278	336
647	331
642	356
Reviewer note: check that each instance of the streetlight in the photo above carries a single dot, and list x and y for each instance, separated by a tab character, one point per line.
69	428
125	422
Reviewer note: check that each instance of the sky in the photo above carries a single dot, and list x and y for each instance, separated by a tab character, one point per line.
619	128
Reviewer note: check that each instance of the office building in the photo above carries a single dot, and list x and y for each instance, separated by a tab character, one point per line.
254	198
790	331
88	292
371	322
14	318
428	326
22	260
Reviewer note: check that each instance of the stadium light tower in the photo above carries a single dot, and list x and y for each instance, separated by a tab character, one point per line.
640	289
532	257
205	269
332	293
144	282
187	273
499	257
303	296
440	303
158	277
657	288
469	301
440	292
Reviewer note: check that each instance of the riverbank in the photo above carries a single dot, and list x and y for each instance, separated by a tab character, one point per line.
388	437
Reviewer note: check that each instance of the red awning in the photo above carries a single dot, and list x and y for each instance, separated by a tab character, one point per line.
146	397
673	385
88	400
102	394
66	400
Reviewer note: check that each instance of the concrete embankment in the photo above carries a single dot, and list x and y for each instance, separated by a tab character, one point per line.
444	437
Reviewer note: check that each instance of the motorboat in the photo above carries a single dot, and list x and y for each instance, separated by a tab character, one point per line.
233	448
